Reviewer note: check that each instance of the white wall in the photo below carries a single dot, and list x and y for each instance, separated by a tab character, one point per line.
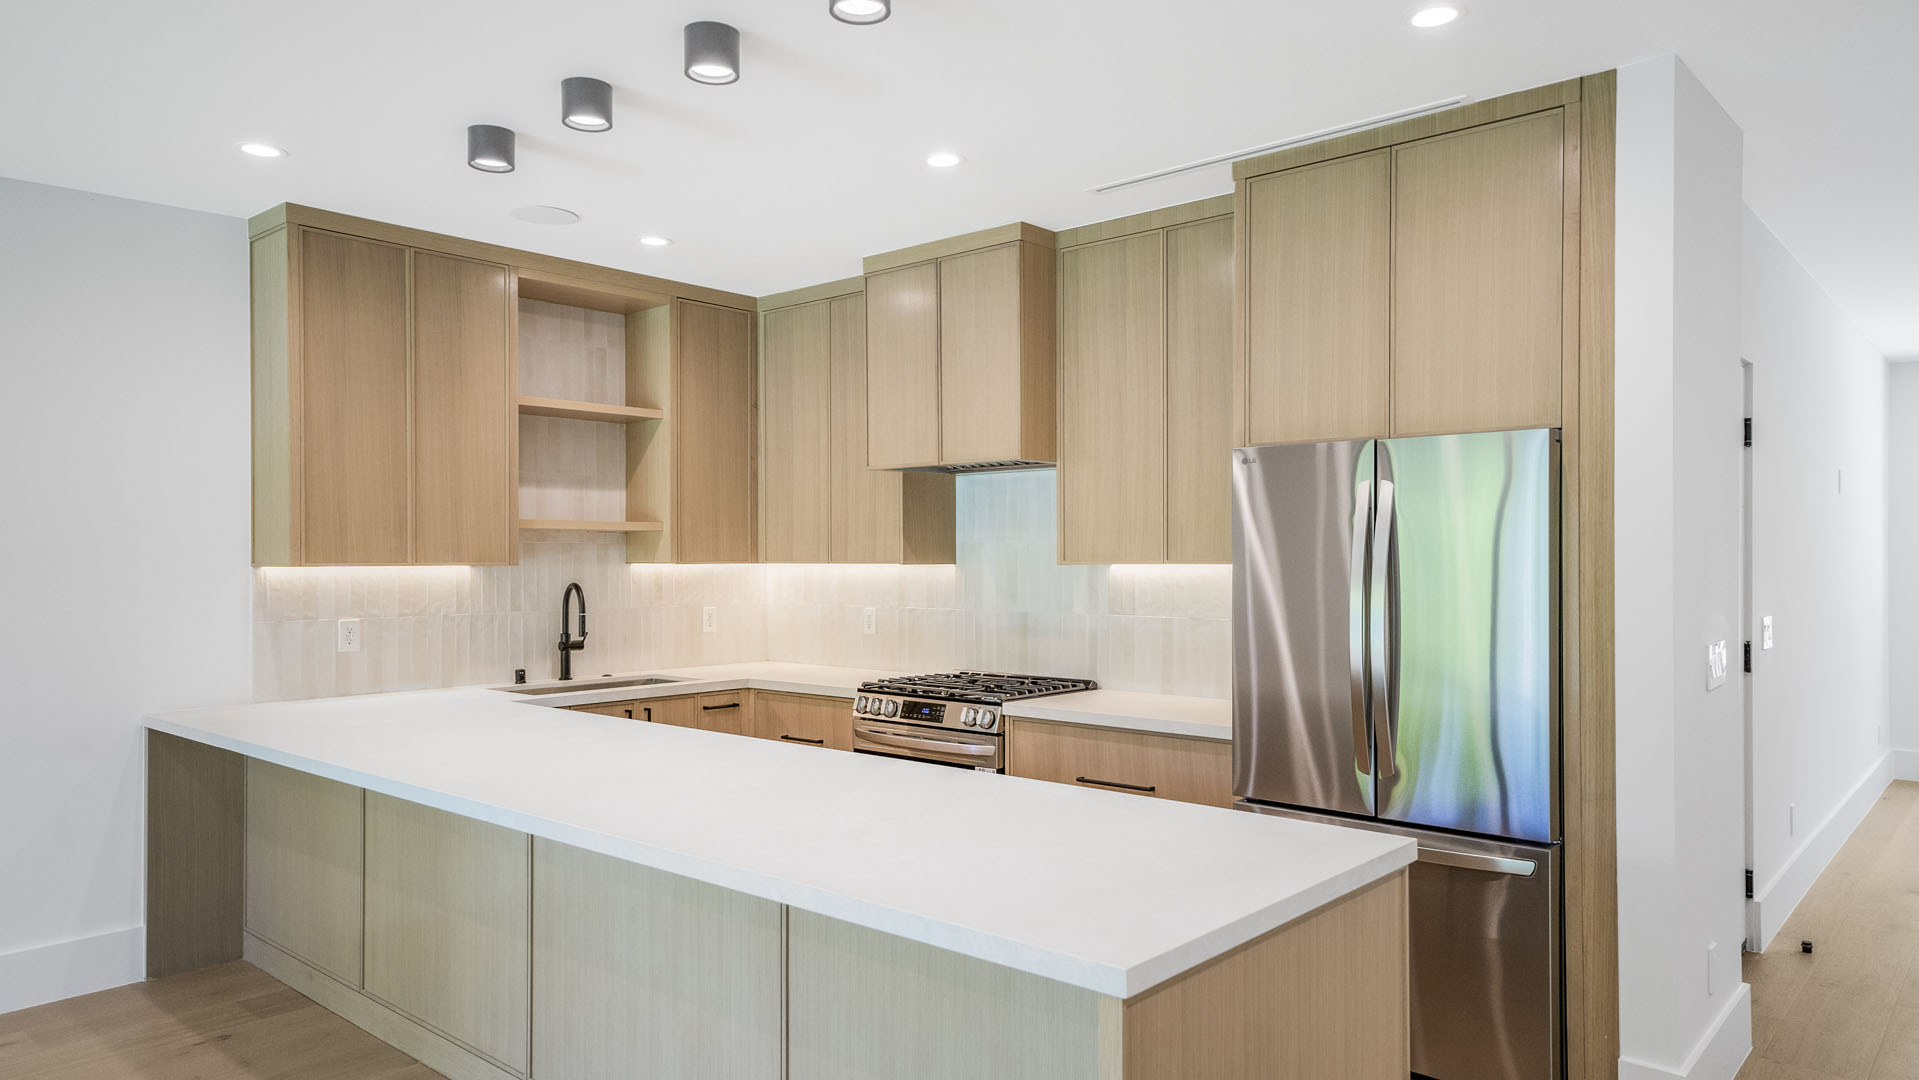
124	440
1902	482
1678	403
1820	569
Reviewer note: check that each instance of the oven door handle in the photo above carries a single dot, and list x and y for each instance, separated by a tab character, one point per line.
907	742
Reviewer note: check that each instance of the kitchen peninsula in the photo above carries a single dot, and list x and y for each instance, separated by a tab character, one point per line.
505	889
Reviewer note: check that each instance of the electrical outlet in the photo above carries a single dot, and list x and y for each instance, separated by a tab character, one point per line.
1765	632
710	619
349	635
870	620
1718	663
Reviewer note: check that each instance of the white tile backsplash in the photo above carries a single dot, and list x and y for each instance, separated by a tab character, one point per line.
1007	604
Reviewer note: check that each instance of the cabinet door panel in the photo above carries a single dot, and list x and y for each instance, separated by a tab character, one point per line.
1112	370
1199	392
903	367
796	448
353	400
1478	300
305	838
730	712
462	407
980	358
1164	766
1318	301
677	711
448	905
865	503
713	495
804	719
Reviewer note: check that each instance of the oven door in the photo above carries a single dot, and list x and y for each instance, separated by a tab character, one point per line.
966	750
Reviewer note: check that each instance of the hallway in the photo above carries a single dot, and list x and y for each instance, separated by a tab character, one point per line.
1850	1010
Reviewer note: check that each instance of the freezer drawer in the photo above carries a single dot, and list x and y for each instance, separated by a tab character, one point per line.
1485	954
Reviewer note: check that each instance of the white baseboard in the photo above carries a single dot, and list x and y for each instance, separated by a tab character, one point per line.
1905	764
1718	1055
64	969
1774	900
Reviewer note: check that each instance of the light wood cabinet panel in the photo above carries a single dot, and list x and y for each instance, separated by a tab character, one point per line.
1165	766
448	910
462	412
997	355
305	842
353	492
730	711
713	486
864	504
1318	301
797	454
805	719
1199	392
903	367
627	710
1478	278
677	711
1113	394
640	973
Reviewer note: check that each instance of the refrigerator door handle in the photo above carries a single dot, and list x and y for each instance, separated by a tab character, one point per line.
1356	634
1385	636
1492	864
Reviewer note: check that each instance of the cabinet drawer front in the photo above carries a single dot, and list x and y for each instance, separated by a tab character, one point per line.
730	711
628	709
1164	766
804	719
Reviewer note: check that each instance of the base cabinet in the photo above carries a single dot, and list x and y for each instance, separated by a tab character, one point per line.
637	972
448	910
1163	766
804	719
305	885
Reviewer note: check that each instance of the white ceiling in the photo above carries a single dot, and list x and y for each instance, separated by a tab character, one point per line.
815	158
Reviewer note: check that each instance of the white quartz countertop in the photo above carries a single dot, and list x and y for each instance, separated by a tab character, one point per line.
1166	714
1112	892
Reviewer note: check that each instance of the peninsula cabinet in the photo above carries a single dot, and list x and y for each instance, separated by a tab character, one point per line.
1419	288
1145	378
381	428
960	352
305	884
819	503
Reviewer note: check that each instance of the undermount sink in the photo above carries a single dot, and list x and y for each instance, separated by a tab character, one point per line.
579	685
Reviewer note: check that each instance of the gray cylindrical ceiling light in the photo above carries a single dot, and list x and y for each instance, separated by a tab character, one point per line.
586	104
489	148
860	12
712	53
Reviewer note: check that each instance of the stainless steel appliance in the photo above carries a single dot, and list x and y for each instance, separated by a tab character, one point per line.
1395	667
951	719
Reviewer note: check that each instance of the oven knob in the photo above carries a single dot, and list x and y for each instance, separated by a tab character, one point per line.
966	716
985	720
890	708
859	704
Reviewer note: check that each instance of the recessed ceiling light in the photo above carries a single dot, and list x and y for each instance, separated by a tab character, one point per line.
1427	18
655	241
860	12
943	159
260	149
544	215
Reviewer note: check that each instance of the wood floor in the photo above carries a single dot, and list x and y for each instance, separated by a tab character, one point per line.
232	1022
1851	1009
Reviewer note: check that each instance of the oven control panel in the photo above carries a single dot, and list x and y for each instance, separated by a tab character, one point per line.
951	714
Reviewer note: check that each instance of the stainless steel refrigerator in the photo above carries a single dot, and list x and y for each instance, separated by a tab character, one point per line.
1395	667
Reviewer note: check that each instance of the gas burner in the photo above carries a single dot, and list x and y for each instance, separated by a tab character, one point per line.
977	687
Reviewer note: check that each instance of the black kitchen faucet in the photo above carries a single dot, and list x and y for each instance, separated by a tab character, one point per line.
568	644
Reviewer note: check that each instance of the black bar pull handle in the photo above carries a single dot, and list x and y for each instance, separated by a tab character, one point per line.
728	705
809	742
1149	788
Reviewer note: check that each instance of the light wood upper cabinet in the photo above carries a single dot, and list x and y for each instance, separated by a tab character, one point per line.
713	481
961	351
463	489
1146	388
796	435
1479	278
1199	392
349	492
1318	301
1112	382
903	367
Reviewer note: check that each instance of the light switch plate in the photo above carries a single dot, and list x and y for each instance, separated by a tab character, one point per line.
1718	662
349	635
1765	632
710	619
870	620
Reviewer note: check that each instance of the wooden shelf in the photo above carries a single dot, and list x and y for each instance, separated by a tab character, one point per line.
594	526
586	410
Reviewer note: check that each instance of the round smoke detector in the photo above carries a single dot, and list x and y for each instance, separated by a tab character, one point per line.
544	215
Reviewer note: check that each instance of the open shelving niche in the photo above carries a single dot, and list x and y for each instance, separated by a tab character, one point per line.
593	386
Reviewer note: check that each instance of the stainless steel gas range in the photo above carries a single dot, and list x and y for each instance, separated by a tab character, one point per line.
952	719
